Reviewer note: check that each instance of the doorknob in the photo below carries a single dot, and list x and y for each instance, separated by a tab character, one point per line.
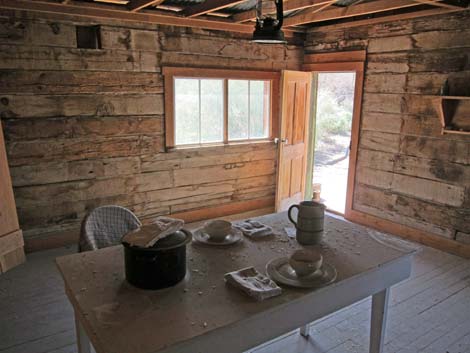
277	140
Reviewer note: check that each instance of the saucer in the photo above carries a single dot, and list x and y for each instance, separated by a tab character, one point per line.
233	237
281	272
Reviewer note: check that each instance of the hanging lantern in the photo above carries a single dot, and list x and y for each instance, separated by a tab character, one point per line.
268	29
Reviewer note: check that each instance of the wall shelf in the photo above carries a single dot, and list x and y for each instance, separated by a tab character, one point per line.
454	114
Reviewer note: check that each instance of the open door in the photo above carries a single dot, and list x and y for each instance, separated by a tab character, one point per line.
11	238
293	146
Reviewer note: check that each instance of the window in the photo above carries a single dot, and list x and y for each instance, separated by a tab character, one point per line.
88	37
204	107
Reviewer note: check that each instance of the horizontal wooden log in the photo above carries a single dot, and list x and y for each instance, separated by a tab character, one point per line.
76	127
441	39
376	178
384	103
403	210
56	58
382	122
130	39
390	44
463	238
225	172
213	61
440	61
34	106
433	169
387	63
385	83
376	160
429	190
79	82
57	172
204	161
41	151
422	125
379	141
433	148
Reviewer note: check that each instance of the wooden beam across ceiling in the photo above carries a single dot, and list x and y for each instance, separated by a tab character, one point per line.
290	5
349	11
136	5
440	3
96	11
388	18
209	6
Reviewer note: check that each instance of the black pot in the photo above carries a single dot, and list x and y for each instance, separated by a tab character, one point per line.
160	266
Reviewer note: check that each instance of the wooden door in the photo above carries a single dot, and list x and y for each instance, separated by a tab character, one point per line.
295	116
11	238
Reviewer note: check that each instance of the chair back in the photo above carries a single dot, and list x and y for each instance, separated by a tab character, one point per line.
105	226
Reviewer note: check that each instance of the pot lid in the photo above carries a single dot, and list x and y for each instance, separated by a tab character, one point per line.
174	240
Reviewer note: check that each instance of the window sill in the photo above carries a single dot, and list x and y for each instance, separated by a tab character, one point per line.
221	144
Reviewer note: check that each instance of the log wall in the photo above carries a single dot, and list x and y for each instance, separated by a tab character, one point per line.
408	172
84	128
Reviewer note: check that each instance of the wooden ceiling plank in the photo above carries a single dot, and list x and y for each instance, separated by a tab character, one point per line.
289	5
438	3
389	18
350	11
209	6
108	12
136	5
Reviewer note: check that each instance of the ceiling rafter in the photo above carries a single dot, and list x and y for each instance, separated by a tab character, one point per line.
136	5
289	5
209	6
388	18
440	3
350	11
88	10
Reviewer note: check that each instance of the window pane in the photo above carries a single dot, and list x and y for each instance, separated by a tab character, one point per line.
259	108
186	111
238	106
212	111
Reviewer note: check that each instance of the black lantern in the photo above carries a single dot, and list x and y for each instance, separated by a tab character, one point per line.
268	29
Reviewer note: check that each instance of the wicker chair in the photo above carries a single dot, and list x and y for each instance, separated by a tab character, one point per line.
105	226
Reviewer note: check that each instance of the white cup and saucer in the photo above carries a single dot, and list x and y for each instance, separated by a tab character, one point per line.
217	232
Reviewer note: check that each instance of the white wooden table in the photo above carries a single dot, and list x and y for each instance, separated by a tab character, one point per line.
204	315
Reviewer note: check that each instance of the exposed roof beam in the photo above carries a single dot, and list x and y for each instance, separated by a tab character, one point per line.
440	3
107	12
136	5
209	6
289	5
384	19
350	11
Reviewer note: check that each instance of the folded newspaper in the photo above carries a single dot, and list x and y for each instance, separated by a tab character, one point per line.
146	236
253	283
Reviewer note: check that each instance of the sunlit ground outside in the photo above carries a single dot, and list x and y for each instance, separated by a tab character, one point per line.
335	97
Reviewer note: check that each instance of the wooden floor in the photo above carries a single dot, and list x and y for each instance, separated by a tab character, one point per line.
429	313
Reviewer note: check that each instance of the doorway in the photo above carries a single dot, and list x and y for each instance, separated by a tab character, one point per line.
333	109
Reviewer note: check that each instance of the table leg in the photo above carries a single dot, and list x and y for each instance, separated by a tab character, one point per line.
304	330
83	342
378	320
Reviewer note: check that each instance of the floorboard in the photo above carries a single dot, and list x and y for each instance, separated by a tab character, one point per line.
429	313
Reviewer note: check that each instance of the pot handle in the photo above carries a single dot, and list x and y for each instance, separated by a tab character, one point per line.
290	216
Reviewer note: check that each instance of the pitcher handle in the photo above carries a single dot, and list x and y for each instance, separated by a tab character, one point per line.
289	214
